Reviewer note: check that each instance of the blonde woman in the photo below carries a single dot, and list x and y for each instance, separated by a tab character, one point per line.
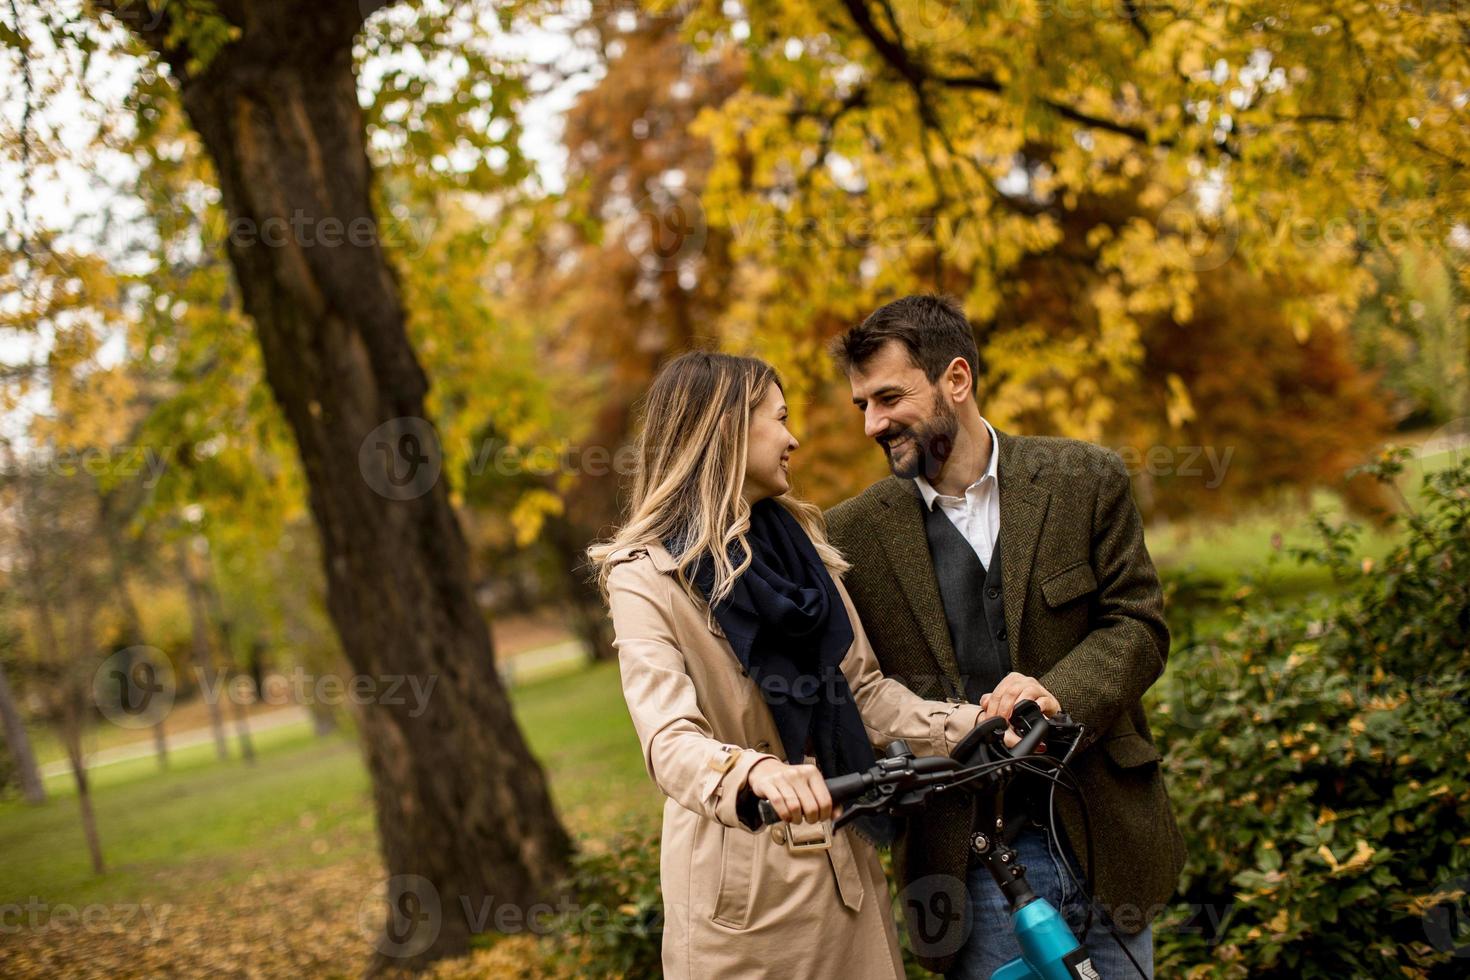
748	677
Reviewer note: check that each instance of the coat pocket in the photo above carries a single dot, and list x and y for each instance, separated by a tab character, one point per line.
737	867
1131	750
1074	581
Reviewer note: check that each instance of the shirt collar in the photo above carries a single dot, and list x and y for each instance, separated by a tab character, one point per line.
930	494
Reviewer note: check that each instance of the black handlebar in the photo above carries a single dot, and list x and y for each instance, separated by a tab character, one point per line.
1039	725
849	787
900	774
898	761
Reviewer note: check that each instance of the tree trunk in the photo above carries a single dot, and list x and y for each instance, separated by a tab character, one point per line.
73	694
589	619
464	815
70	731
257	666
209	590
209	680
242	731
132	622
160	744
20	744
323	718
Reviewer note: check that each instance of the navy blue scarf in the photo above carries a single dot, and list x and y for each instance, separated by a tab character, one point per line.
790	631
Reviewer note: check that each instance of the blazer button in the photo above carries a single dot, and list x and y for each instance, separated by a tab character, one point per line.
992	593
778	834
1002	634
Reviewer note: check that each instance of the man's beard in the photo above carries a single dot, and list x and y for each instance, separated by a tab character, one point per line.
928	446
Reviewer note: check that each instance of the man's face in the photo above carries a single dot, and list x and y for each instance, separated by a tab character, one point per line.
904	413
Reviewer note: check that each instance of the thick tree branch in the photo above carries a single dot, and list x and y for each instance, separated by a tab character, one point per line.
919	76
1135	17
151	26
270	30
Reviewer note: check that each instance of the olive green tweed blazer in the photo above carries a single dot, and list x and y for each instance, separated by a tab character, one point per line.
1084	613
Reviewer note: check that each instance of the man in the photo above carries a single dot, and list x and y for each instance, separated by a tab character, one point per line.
994	568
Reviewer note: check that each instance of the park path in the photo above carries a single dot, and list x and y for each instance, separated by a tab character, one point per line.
178	740
530	665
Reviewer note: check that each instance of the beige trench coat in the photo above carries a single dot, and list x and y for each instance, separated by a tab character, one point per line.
739	903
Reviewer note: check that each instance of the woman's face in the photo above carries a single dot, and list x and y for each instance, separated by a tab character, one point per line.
769	452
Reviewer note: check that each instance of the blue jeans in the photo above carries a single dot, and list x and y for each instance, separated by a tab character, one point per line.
992	942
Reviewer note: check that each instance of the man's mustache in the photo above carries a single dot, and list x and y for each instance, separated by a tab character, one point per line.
935	444
888	439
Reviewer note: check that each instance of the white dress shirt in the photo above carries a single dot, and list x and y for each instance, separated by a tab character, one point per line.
977	513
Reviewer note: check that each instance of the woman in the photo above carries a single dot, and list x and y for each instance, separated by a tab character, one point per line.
748	676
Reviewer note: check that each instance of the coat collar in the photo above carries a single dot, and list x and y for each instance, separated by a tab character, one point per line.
661	558
657	554
663	562
1023	506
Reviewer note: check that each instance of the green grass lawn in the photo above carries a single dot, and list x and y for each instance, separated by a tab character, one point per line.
579	728
304	803
159	830
1234	552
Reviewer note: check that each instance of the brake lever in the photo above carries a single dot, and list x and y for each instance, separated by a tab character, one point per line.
851	811
1062	732
985	734
902	789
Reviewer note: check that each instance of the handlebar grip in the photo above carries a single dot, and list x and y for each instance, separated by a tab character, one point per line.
850	786
1033	737
840	788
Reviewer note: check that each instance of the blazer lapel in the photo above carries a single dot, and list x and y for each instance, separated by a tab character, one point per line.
907	546
1023	506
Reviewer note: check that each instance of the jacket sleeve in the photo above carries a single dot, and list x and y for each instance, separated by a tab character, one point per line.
1125	652
684	759
891	711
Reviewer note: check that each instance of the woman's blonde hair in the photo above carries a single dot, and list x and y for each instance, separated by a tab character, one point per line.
690	469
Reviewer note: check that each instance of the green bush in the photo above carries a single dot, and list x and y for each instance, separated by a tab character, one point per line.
615	927
1319	761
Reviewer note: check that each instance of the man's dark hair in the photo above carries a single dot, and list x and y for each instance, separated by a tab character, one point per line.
932	328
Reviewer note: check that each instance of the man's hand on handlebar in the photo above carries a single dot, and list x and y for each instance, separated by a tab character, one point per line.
798	793
1013	688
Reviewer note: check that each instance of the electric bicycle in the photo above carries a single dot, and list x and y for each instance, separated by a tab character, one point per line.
901	783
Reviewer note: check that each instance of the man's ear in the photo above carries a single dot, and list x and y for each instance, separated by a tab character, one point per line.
958	383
